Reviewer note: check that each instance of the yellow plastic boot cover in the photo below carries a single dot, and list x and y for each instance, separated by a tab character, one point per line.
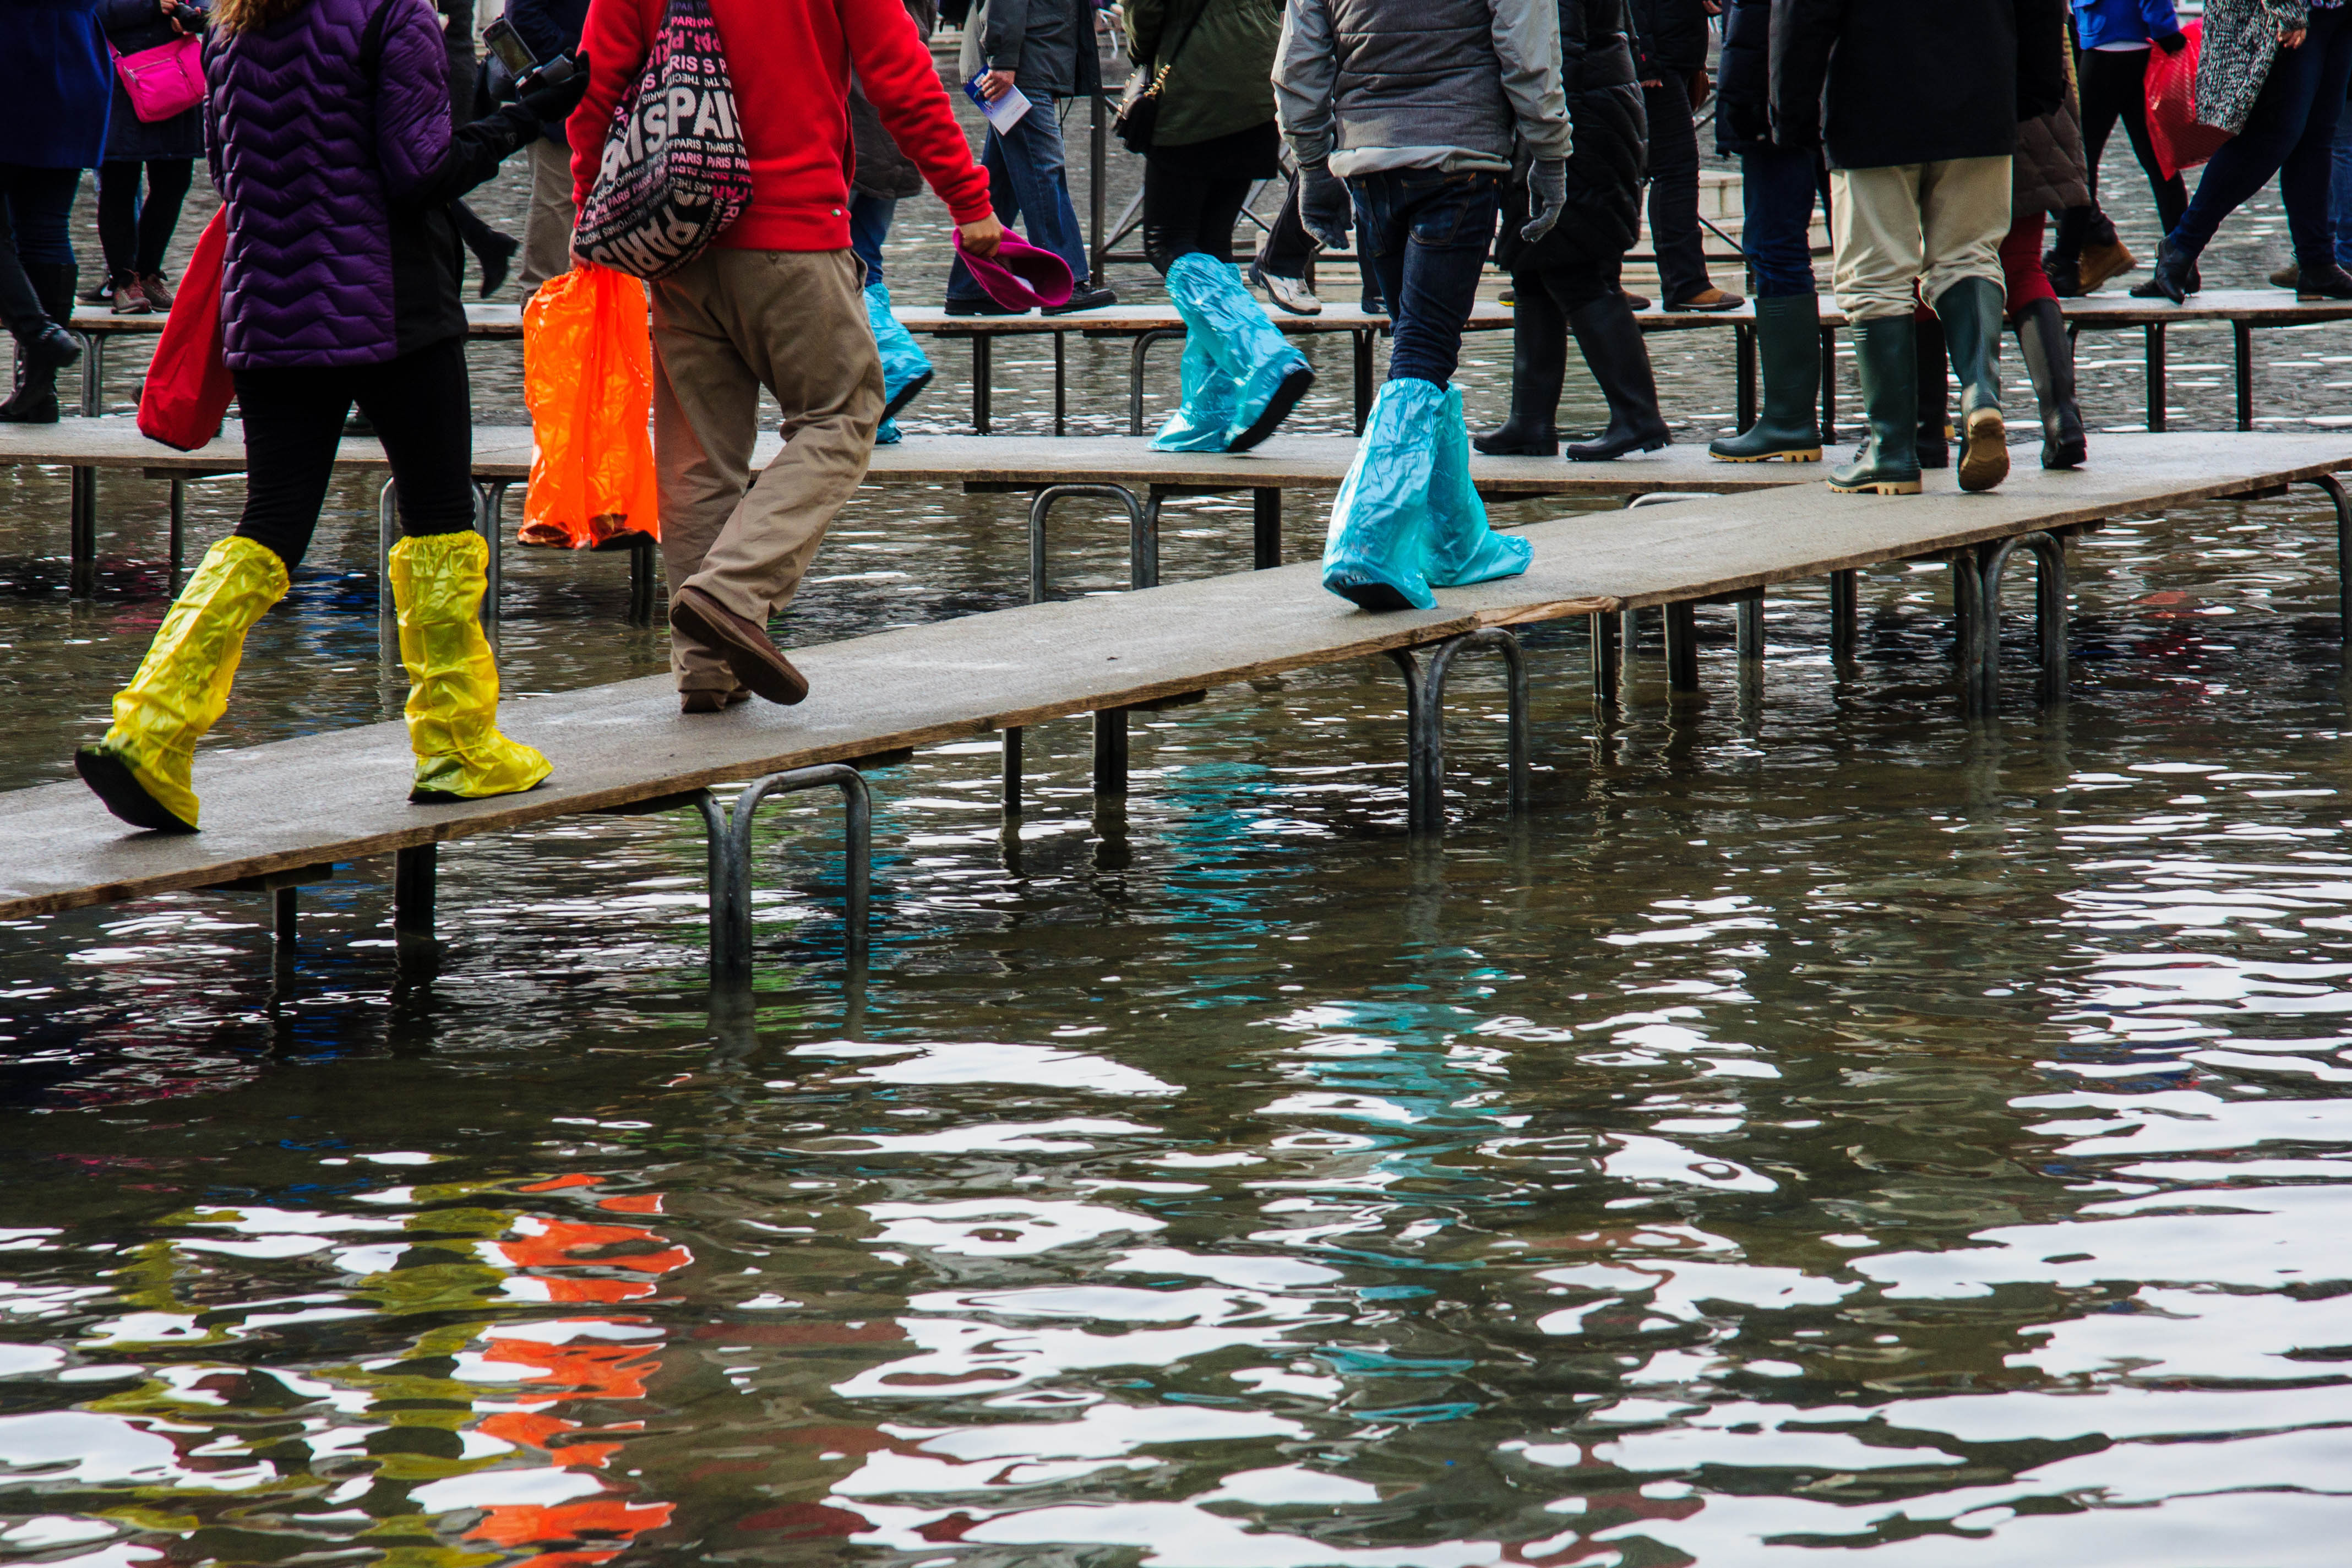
438	581
181	687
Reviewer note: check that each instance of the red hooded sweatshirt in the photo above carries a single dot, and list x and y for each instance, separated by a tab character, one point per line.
789	62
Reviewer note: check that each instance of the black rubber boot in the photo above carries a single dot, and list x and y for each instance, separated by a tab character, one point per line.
1789	353
1884	351
1619	359
1970	312
2050	361
2174	278
1934	445
1538	366
46	348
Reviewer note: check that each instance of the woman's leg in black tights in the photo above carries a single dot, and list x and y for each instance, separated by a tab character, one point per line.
293	424
167	187
423	411
1173	206
118	216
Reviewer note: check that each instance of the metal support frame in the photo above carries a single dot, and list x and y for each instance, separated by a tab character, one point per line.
1749	614
1977	573
1142	534
283	909
2242	333
179	519
983	366
1600	629
81	567
1266	529
1845	613
1425	694
1012	786
1682	645
2334	490
729	835
1061	383
1110	750
2155	333
415	876
1143	342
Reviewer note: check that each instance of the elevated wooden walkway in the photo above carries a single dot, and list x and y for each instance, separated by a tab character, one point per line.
282	813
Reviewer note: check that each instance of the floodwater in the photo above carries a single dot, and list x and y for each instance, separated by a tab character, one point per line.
1818	1126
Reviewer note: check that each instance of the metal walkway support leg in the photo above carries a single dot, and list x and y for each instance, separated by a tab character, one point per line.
1012	792
1749	614
1416	768
1110	750
983	364
644	565
1600	629
1967	628
1845	614
1266	529
1143	343
1980	677
2243	333
1682	647
81	566
2154	331
179	523
2334	487
1142	534
283	900
414	879
1430	719
730	862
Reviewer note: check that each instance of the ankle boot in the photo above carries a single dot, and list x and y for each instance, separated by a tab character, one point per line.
1614	352
1933	444
1538	366
142	769
906	369
1970	312
1463	545
2173	277
1377	552
44	345
1884	351
438	581
1268	376
1789	352
2050	361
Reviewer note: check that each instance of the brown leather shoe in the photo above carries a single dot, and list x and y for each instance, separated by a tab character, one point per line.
159	293
129	300
757	662
703	700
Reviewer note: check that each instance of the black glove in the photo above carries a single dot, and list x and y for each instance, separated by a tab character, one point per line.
1325	208
2173	43
552	103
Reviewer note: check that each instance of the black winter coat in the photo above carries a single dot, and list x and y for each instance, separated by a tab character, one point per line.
882	170
1883	83
1612	149
1667	35
1047	45
1743	79
130	27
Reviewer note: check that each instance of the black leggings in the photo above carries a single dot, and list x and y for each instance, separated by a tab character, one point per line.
1189	213
137	233
2113	83
1570	287
294	421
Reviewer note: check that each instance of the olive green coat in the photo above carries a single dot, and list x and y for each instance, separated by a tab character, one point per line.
1221	82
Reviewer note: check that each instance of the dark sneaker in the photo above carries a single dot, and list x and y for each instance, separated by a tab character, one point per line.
1085	297
757	662
2323	283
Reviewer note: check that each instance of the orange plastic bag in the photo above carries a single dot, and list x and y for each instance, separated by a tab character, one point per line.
588	380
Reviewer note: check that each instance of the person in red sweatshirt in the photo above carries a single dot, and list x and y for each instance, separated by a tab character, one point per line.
778	303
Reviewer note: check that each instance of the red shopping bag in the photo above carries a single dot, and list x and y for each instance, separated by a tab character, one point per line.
588	380
188	386
2178	141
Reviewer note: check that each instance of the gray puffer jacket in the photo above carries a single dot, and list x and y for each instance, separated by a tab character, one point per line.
1372	85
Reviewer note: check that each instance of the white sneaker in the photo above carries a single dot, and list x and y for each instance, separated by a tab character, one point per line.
1290	294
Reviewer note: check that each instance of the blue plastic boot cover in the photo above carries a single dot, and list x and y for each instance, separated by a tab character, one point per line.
1380	520
1248	347
902	359
887	433
1200	422
1463	546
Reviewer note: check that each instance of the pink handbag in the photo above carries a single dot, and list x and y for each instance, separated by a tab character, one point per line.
163	82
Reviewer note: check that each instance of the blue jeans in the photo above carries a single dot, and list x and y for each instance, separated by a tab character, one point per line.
1425	234
2291	133
1027	183
1779	188
869	225
2339	193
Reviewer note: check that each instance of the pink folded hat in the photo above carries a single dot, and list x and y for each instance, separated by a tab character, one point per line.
1019	277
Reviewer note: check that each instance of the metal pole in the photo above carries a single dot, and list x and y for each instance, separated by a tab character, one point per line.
2343	504
1011	789
1601	629
1432	720
1682	647
1749	614
179	520
414	876
1416	770
1265	528
2244	333
1845	613
1142	534
2155	333
1110	750
283	899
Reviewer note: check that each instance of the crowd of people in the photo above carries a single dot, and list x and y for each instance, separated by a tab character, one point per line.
343	136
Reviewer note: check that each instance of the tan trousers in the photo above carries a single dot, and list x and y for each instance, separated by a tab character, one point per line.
547	230
1932	224
726	324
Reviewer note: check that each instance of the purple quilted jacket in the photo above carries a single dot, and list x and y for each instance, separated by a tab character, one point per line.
330	139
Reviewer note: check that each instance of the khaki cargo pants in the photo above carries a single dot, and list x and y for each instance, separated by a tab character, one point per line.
724	325
1934	224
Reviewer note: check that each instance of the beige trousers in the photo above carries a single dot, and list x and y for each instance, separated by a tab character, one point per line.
547	230
726	324
1932	224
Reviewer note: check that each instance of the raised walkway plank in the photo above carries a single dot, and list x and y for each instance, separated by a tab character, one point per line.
335	796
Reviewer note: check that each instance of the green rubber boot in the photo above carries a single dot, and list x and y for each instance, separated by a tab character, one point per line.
1887	463
1789	353
1970	312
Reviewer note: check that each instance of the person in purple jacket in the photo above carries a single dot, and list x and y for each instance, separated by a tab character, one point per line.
327	130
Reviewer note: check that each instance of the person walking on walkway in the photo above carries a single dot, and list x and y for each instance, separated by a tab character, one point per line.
2274	72
1568	280
1280	268
1213	139
885	176
1670	54
136	235
1047	49
2117	37
1918	107
1778	186
776	303
56	87
327	127
552	28
2048	175
1419	106
493	249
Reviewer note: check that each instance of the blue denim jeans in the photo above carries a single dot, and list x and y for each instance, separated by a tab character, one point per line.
2291	133
2339	193
869	225
1779	188
1425	234
1027	183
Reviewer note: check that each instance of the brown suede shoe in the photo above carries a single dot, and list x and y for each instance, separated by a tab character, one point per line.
2101	262
703	700
129	300
1708	298
158	291
757	662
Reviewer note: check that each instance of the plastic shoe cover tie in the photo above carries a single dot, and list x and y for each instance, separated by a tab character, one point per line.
1381	520
1200	422
1463	545
181	687
1243	341
438	581
902	359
